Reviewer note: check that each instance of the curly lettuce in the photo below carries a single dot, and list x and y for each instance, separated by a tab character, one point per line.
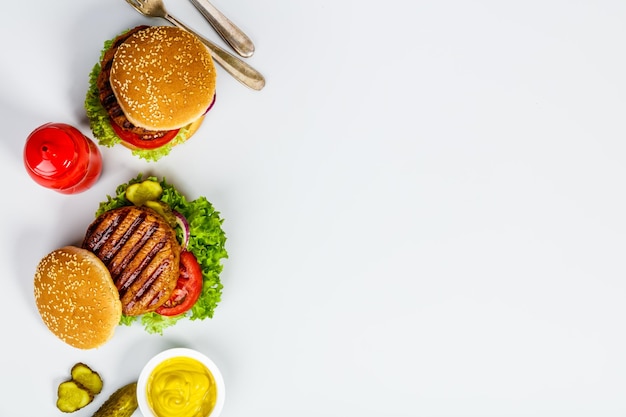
207	242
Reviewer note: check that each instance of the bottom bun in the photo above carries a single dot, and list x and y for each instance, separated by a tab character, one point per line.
192	128
76	297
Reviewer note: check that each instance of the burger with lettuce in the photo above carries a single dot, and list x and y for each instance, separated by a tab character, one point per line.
149	256
151	90
163	251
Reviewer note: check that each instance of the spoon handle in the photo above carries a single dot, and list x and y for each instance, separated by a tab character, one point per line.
234	36
242	72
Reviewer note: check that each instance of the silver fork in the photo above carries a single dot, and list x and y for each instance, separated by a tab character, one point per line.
242	72
230	32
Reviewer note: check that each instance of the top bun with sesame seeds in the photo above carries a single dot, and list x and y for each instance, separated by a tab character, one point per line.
76	297
163	78
151	90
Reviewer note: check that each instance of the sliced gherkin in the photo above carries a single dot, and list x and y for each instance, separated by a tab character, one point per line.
72	396
141	192
86	377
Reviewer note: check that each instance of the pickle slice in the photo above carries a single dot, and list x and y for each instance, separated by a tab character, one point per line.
72	396
141	192
88	378
164	210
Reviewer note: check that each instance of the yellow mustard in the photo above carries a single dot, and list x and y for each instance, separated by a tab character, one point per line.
181	386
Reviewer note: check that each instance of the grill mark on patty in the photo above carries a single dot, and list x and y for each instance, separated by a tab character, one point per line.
141	252
98	234
119	263
121	234
139	264
155	270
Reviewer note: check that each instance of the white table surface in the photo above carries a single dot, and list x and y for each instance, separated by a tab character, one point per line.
425	207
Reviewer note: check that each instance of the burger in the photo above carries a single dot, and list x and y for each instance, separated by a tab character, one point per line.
164	252
150	90
150	255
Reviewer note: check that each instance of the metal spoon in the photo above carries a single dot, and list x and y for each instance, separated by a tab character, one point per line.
234	36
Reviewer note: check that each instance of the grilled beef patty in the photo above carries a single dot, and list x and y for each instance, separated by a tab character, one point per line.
141	251
107	97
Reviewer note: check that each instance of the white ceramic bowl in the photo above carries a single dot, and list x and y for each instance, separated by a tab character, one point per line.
142	398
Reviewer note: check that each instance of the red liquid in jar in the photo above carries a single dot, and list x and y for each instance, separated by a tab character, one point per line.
58	156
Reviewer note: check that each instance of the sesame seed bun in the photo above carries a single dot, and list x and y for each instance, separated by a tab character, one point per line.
193	127
76	297
163	78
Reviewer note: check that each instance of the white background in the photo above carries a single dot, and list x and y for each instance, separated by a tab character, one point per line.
425	207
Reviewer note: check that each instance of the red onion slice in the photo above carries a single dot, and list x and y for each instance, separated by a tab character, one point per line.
184	224
212	103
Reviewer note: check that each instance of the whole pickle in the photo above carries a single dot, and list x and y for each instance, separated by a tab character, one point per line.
122	403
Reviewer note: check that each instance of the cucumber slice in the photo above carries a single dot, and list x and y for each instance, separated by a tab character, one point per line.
142	192
72	396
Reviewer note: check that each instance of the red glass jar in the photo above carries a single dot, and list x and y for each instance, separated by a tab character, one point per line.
58	156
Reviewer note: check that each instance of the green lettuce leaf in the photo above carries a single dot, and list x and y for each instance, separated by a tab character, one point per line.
207	241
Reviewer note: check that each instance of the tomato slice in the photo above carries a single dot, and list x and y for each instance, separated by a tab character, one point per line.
188	287
135	140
